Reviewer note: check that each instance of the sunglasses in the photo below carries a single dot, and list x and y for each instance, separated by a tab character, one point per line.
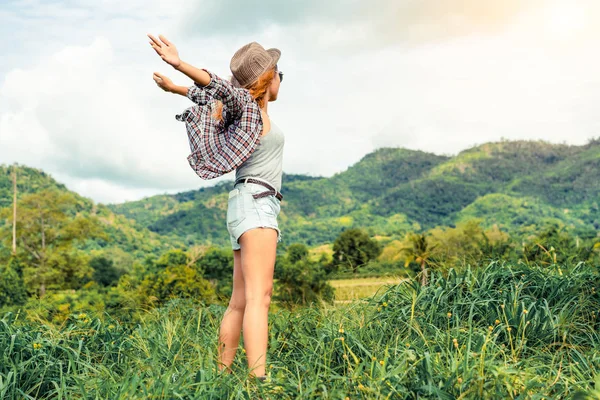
277	71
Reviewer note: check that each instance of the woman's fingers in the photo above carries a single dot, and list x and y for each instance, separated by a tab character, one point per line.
165	49
156	42
164	40
160	81
158	50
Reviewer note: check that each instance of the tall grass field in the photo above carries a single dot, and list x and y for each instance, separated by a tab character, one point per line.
498	331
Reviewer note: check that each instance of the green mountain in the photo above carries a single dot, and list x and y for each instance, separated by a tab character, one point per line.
516	168
520	186
517	185
124	238
30	180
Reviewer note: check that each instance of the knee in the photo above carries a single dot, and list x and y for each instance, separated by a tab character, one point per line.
259	297
237	303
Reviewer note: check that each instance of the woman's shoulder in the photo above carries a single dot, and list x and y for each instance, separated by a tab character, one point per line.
276	128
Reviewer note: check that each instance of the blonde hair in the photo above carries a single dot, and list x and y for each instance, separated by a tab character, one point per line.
258	91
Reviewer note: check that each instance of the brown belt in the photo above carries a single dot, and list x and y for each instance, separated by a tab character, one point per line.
271	192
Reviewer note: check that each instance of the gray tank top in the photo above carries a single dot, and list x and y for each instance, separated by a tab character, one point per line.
266	162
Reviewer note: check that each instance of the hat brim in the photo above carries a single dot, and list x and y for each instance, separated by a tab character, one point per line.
275	55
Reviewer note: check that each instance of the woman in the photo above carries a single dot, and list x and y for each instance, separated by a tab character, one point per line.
254	202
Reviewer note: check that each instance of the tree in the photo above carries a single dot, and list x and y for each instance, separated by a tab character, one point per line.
105	272
48	230
299	280
217	266
353	249
495	244
172	257
12	289
176	277
460	244
297	252
553	245
420	252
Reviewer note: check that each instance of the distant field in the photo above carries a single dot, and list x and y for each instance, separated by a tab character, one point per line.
347	290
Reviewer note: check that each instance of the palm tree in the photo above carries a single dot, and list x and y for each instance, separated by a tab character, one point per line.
419	251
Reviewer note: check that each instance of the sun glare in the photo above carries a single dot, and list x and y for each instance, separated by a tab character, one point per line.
565	18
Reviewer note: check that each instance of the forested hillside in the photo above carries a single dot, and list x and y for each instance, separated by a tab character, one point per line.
512	184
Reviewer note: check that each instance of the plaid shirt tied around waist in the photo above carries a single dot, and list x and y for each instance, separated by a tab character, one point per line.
218	147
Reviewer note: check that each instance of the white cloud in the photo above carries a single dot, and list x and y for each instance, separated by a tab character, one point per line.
81	114
424	75
523	83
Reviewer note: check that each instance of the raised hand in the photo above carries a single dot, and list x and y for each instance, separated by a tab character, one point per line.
163	82
166	50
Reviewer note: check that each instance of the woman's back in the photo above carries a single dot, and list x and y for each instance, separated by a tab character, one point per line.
266	162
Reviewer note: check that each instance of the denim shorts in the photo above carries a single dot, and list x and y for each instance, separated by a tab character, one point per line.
244	212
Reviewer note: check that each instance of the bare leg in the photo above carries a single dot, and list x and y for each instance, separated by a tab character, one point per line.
258	262
231	324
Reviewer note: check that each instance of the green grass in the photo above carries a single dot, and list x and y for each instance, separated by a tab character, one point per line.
497	332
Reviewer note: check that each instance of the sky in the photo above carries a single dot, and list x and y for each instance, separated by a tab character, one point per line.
77	97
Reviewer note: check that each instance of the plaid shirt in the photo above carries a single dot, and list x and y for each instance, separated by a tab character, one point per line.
218	147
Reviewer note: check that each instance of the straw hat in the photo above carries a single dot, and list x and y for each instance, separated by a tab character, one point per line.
250	62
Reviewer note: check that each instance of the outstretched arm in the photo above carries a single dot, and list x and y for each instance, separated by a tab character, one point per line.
168	52
168	86
199	76
195	94
208	85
